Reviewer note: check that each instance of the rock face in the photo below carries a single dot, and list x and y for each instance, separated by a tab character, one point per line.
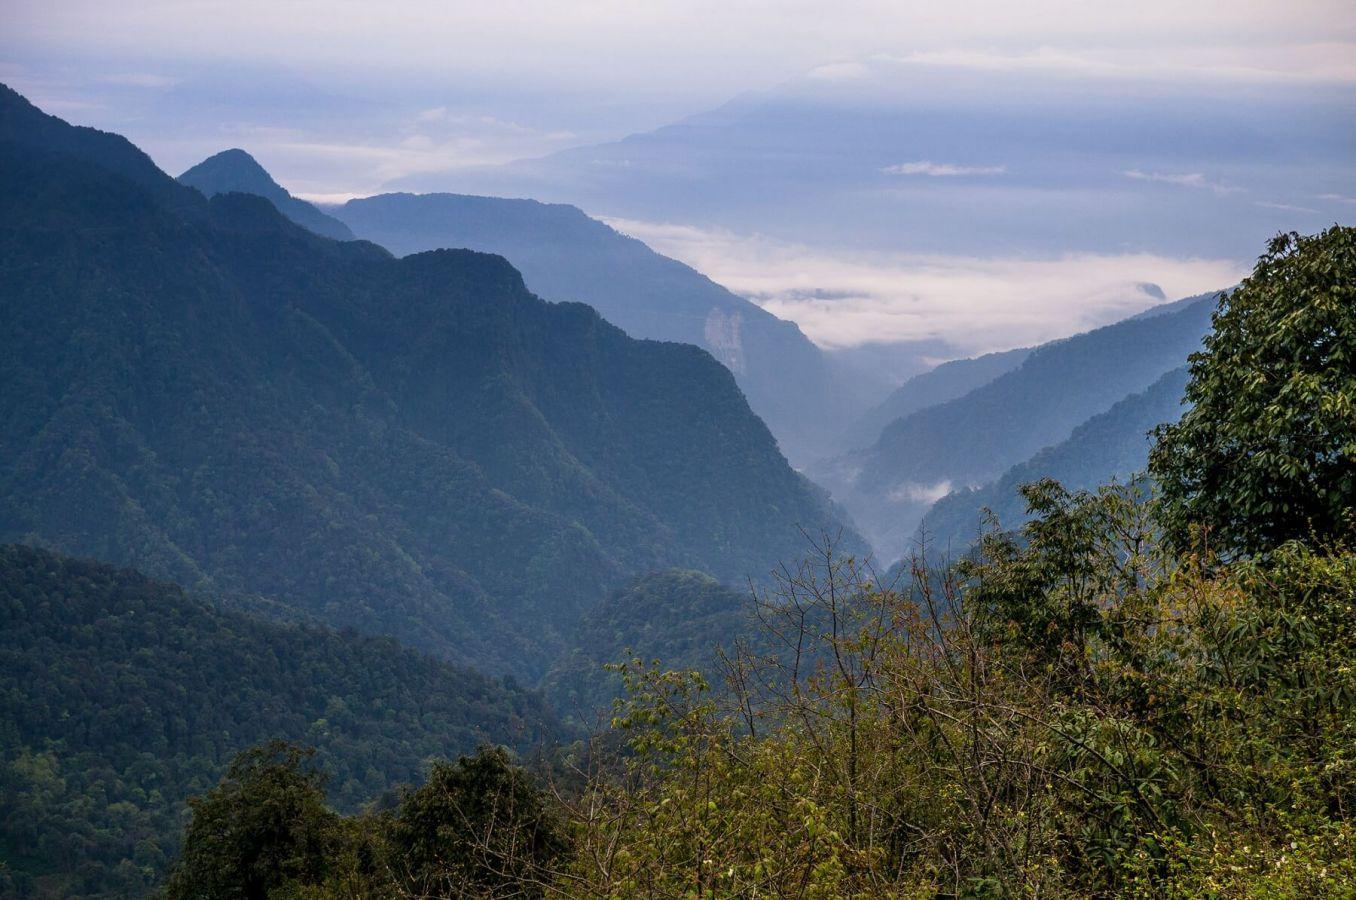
721	337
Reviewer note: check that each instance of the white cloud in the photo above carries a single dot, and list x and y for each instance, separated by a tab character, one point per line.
706	45
1337	198
941	170
1284	207
913	492
843	71
977	304
1181	179
1315	60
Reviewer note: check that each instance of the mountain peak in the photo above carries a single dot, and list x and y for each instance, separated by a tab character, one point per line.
235	171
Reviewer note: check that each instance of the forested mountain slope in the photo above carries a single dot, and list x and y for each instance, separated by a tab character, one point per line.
947	381
680	617
416	447
566	255
974	438
1110	445
121	697
235	170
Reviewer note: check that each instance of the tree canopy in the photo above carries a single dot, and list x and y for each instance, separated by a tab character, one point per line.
1267	453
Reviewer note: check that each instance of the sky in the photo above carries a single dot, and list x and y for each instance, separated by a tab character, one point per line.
982	174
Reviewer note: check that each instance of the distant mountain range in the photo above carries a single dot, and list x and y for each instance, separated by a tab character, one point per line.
1111	445
416	447
566	256
894	152
946	382
972	439
236	170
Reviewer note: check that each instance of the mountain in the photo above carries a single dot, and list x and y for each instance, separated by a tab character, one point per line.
565	255
944	155
1114	444
120	697
236	170
973	439
677	617
415	447
947	381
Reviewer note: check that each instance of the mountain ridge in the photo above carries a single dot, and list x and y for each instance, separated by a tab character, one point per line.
416	447
235	170
565	255
972	439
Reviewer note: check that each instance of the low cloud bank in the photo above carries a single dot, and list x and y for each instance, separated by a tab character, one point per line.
977	304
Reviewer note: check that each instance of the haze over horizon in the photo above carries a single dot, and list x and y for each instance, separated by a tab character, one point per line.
969	182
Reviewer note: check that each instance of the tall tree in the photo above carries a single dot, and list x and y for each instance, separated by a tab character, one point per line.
264	827
1267	452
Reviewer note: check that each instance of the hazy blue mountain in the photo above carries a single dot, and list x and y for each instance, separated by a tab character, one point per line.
1038	163
416	447
236	170
120	697
565	255
973	439
1113	444
946	382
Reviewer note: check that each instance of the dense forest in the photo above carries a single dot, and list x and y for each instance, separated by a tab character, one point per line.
440	589
1134	696
416	447
681	617
122	697
565	255
1110	445
974	438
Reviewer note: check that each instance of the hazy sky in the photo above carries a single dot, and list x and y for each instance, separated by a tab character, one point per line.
925	237
470	82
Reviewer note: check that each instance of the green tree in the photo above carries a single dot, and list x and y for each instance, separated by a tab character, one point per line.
479	827
1267	452
265	827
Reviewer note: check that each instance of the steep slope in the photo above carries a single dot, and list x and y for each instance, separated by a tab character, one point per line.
120	697
416	447
973	439
1113	444
565	255
946	382
677	617
236	170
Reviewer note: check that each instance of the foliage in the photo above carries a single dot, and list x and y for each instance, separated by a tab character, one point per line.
120	697
417	447
681	617
265	827
1076	713
478	827
1268	451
